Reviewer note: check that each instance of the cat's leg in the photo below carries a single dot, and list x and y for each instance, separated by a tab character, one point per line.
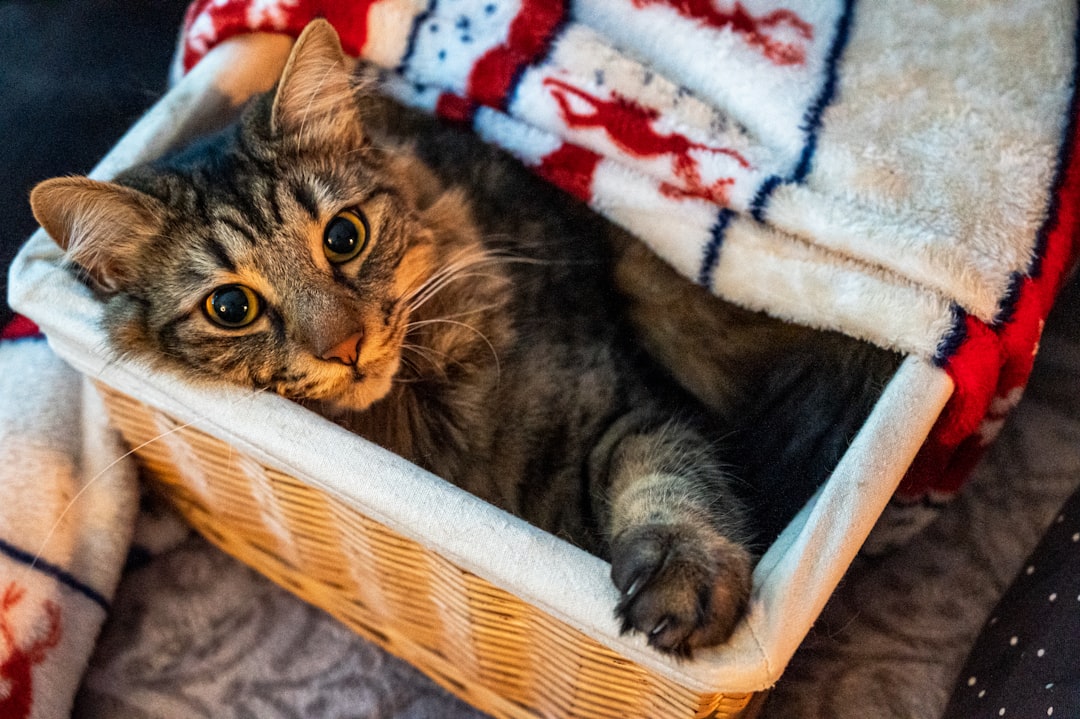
676	534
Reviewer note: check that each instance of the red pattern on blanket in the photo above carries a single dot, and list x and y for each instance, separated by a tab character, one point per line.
17	668
19	328
753	29
630	126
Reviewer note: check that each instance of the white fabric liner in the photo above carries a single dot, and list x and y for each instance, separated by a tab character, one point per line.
791	583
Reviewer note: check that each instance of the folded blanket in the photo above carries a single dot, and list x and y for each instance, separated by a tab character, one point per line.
902	173
65	524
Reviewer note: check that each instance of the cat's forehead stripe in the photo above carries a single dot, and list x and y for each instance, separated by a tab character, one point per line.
269	191
219	252
248	194
239	228
305	197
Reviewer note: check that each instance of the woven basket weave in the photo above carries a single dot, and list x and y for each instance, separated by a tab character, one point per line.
510	619
494	651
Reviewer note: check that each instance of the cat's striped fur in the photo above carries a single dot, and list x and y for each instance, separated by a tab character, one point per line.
476	332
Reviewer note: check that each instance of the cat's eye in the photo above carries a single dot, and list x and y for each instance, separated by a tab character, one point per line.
345	236
233	306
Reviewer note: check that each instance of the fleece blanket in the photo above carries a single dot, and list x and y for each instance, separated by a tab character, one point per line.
901	172
69	501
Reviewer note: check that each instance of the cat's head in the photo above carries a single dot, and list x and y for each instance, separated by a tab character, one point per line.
284	253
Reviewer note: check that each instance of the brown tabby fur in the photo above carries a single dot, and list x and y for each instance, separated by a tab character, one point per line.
493	349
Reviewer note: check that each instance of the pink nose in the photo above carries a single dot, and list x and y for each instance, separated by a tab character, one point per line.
347	351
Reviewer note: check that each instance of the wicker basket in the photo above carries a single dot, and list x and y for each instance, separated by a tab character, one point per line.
477	640
515	622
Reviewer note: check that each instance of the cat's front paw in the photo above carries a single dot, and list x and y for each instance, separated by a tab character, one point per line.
684	587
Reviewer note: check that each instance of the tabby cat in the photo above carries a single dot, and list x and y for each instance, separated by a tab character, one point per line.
426	292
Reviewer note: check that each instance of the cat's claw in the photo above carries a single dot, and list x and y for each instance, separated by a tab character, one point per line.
683	586
635	586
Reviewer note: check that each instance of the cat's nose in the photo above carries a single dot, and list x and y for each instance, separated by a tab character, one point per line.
347	351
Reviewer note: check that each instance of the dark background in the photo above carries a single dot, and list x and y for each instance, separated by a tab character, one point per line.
74	75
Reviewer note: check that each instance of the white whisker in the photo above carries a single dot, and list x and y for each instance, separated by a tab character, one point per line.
430	356
457	268
464	313
71	503
478	333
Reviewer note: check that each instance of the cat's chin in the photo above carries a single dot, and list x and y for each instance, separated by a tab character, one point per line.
361	388
357	398
362	394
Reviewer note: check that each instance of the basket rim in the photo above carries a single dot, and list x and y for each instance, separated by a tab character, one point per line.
564	581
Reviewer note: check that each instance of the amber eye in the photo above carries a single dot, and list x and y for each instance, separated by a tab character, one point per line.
345	236
233	306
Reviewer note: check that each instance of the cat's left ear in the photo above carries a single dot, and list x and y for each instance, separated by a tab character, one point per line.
315	100
101	225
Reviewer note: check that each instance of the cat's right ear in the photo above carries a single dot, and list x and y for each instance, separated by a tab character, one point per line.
315	101
101	225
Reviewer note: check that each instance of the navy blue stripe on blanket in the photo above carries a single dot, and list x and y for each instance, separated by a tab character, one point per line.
712	248
952	340
1065	153
58	573
410	46
811	126
1007	306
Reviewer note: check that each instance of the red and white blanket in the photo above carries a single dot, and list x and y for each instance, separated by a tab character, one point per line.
903	173
66	520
